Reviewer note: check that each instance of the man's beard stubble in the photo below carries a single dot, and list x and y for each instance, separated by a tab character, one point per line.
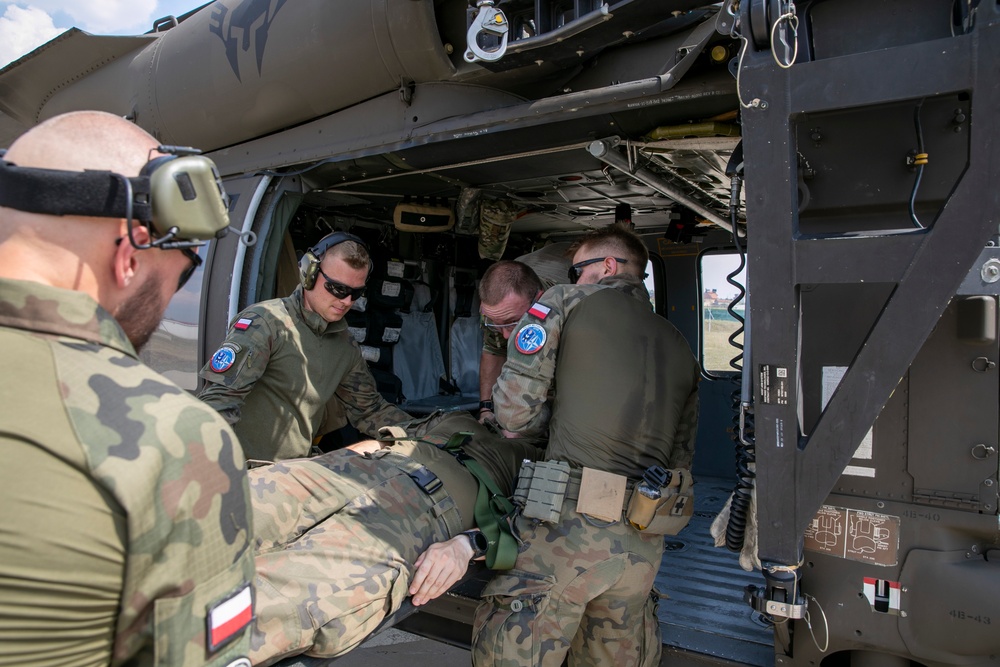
140	314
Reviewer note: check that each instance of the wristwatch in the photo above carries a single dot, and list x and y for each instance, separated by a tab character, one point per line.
478	542
486	405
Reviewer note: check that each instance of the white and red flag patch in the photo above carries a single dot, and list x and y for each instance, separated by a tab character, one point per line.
539	311
227	618
243	323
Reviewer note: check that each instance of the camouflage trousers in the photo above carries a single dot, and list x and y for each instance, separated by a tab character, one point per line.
580	590
336	537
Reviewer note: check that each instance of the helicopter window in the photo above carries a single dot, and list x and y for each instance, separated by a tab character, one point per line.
722	310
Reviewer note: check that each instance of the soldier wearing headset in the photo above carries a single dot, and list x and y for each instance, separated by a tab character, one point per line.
285	359
126	522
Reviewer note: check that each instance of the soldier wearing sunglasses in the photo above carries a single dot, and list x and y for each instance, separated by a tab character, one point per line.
594	608
126	518
286	363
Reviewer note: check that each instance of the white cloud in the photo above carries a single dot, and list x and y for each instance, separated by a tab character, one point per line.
111	16
22	30
102	16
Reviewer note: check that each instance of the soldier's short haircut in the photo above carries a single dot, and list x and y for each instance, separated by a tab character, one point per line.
352	252
616	240
508	277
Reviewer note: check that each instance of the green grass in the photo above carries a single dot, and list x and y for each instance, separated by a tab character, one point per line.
715	341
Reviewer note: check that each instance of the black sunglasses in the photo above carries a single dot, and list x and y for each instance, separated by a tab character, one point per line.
189	271
577	269
340	290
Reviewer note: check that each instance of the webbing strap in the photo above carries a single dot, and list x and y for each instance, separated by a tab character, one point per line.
428	482
491	511
492	507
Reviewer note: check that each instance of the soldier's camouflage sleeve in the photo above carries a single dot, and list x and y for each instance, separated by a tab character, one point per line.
178	469
523	387
493	343
236	366
682	454
366	409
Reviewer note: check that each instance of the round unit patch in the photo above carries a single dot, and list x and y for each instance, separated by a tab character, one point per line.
223	359
530	339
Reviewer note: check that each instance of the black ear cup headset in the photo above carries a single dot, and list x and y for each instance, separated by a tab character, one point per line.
179	196
309	264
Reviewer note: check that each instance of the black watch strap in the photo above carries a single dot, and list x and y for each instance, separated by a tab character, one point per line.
486	405
478	542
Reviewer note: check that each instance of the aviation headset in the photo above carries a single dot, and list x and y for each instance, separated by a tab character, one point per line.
179	196
309	264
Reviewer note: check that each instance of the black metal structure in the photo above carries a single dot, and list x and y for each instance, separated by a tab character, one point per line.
883	64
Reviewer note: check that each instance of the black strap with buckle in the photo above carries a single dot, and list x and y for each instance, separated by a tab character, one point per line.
425	479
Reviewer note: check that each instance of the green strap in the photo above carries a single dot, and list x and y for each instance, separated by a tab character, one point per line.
491	510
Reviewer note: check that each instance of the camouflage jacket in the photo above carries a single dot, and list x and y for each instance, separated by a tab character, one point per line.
624	379
75	390
276	371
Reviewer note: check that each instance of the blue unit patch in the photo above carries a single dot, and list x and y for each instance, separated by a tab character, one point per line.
530	339
223	359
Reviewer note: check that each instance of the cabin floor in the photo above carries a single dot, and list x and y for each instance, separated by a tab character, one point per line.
705	611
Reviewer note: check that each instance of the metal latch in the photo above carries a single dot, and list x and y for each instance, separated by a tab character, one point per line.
793	611
754	596
489	23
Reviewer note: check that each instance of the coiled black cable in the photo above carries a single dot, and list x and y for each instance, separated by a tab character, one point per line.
742	434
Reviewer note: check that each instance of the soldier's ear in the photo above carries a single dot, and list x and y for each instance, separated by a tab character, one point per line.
125	265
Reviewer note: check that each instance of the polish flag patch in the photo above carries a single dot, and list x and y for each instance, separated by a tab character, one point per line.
539	311
243	323
228	617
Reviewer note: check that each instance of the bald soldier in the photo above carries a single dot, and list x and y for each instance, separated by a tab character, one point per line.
125	521
343	538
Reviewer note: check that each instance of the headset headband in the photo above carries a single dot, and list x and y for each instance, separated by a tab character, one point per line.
179	196
99	194
333	239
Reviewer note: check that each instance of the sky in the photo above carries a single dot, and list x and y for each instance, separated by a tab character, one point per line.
26	25
715	268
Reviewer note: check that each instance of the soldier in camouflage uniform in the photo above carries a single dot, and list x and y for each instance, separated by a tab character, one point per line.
505	292
285	360
626	399
125	521
340	536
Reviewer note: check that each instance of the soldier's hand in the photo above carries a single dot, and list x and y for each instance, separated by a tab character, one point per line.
439	568
486	417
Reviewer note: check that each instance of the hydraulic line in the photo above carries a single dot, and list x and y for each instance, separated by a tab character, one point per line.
919	161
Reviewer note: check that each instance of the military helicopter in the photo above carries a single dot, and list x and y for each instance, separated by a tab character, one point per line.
841	152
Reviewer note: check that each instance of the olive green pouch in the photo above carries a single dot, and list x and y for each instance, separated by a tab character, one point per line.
541	488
